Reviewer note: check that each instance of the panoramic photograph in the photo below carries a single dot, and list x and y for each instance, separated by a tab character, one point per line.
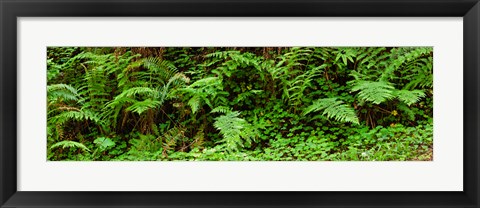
239	104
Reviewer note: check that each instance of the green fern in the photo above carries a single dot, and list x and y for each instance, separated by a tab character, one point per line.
379	92
234	58
412	60
134	91
236	131
76	115
207	91
333	109
409	97
62	91
345	54
375	92
70	144
231	61
222	54
294	88
195	103
221	109
158	70
145	84
245	95
96	86
143	106
420	80
370	56
291	75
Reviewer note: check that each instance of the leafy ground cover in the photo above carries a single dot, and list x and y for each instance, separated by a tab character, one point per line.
240	103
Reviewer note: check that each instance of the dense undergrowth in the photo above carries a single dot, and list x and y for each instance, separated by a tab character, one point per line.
240	104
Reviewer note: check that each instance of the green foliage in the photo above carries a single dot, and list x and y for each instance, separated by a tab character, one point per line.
236	131
375	92
62	92
333	108
69	144
240	103
104	143
78	115
204	91
409	97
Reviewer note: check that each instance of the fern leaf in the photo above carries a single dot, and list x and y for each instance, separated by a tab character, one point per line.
81	115
158	67
375	92
221	109
64	91
194	103
142	106
247	94
409	97
333	108
209	81
146	91
235	131
204	91
70	144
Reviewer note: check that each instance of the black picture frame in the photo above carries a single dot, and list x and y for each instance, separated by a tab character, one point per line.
11	9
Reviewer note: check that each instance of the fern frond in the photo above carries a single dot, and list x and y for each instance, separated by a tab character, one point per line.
410	58
205	82
221	54
113	109
146	91
63	91
235	131
194	103
370	56
82	115
375	92
179	80
204	91
159	67
70	144
249	133
142	106
421	80
333	108
409	97
221	109
247	94
171	136
346	54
